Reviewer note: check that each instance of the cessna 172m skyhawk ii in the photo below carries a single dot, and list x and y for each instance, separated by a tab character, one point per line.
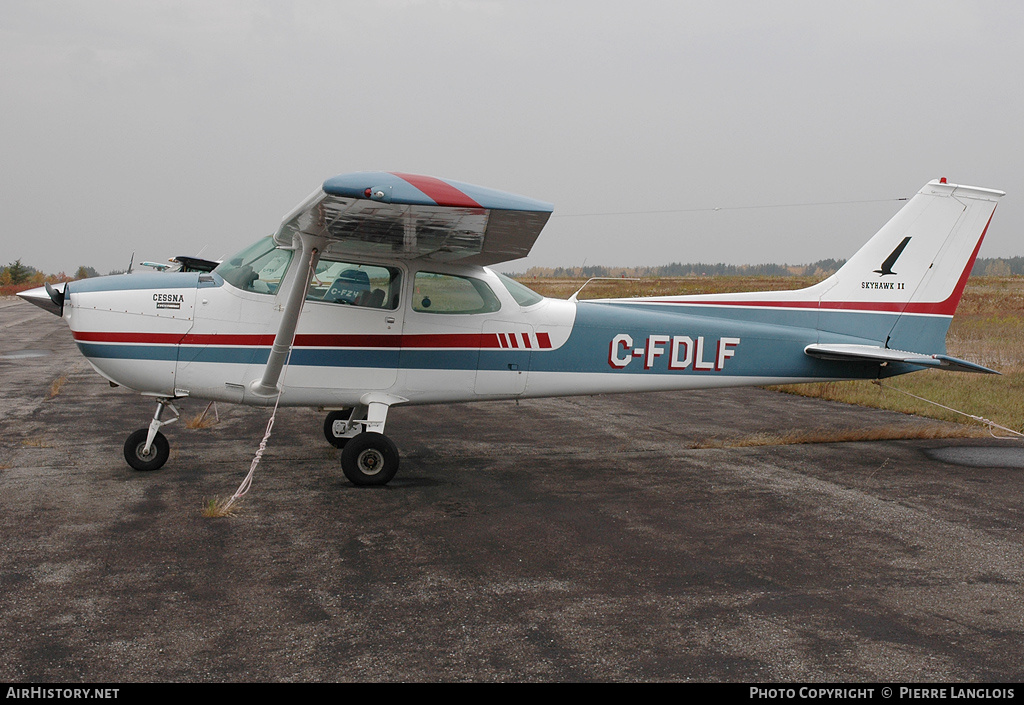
375	292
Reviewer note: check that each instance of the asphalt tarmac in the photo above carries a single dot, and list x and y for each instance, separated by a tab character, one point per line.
579	539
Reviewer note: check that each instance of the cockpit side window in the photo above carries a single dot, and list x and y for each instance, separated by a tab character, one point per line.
258	268
364	285
446	293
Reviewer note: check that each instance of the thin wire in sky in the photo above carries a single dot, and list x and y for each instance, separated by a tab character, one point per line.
728	208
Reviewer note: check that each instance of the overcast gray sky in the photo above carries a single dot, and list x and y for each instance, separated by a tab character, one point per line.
182	127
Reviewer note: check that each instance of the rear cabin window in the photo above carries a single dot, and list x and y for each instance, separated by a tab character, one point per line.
349	284
446	293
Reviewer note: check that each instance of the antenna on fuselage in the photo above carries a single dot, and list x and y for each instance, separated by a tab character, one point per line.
617	279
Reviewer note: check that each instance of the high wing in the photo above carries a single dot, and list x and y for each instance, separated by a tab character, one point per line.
410	216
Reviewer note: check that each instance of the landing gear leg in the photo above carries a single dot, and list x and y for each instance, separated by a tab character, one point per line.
147	449
370	458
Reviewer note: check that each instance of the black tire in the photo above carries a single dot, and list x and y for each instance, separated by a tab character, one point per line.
342	415
369	459
158	452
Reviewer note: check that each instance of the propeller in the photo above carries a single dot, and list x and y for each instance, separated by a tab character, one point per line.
45	297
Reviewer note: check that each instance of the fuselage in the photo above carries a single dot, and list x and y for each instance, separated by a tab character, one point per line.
436	333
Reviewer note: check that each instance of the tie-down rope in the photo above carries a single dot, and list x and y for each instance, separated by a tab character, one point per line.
991	424
243	488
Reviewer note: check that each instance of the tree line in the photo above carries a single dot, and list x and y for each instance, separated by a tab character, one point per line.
17	277
983	266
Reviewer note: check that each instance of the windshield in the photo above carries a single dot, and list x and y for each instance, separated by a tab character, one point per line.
523	295
260	267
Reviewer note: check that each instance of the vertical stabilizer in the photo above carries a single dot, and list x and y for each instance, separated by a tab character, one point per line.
915	267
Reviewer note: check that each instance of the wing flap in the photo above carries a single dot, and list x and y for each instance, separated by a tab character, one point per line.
407	216
873	353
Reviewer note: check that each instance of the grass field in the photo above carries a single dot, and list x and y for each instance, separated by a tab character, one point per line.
988	329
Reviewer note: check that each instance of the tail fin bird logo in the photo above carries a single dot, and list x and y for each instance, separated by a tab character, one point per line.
891	259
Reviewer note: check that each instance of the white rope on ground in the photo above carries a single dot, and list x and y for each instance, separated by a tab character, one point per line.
991	424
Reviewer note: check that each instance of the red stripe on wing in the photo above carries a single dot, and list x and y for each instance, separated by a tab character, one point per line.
441	192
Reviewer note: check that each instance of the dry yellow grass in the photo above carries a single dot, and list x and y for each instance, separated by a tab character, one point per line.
56	386
219	507
826	435
205	419
661	286
200	421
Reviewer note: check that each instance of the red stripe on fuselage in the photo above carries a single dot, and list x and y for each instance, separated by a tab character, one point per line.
445	340
441	192
151	338
450	340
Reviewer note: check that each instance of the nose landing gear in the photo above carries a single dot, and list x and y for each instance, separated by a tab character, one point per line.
147	449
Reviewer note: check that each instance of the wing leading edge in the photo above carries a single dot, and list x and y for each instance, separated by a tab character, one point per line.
410	216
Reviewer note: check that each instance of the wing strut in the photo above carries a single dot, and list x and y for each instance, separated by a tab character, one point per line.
268	385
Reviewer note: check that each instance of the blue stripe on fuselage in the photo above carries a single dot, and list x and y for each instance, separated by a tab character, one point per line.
128	352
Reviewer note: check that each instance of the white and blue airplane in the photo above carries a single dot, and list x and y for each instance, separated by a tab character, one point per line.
375	291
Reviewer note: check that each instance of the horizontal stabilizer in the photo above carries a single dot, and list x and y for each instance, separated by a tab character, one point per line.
872	353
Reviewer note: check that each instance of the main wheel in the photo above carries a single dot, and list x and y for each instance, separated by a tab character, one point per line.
154	459
369	459
334	416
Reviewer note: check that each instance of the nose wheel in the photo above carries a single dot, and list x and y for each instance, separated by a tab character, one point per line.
139	457
147	449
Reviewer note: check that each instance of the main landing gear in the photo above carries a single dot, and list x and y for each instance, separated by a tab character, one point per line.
368	457
147	449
